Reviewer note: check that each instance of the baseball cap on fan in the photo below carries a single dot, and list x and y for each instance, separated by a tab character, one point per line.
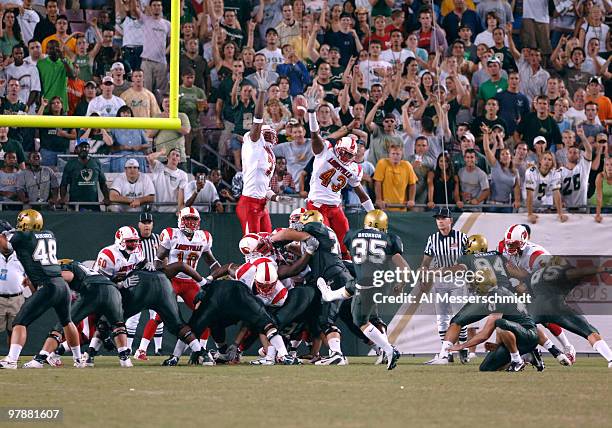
107	79
117	66
131	162
539	139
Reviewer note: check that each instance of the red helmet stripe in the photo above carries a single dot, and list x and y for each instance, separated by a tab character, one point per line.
243	269
509	234
534	257
279	296
267	271
108	253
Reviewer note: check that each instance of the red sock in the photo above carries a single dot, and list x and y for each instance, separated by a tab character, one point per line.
149	330
554	328
205	334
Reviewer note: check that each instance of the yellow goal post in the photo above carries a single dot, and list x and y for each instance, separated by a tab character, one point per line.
172	122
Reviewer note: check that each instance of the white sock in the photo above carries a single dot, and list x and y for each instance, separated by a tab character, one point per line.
65	346
295	343
144	344
374	334
548	344
600	346
271	353
194	345
446	344
334	345
339	294
179	348
43	352
203	343
563	339
14	352
123	348
279	344
129	342
76	352
158	342
515	357
95	343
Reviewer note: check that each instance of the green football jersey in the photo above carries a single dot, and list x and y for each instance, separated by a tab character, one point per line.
371	250
551	280
37	252
491	260
326	261
82	275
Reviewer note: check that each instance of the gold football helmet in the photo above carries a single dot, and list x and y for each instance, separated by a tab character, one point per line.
29	220
376	219
476	244
311	216
485	280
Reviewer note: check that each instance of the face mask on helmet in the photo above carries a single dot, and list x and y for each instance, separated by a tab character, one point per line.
190	224
294	219
344	155
130	245
265	289
513	247
265	278
269	135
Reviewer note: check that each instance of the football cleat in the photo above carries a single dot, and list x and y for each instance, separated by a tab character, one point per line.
536	360
7	364
451	358
87	360
54	360
141	355
207	359
80	364
288	360
34	364
381	357
564	360
125	362
335	359
261	351
158	353
171	361
325	290
464	356
196	358
472	355
438	361
570	352
392	363
262	362
516	366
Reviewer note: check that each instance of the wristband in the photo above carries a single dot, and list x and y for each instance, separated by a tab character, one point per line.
368	205
312	123
257	120
270	194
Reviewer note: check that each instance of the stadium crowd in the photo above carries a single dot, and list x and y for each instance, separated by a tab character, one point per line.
480	105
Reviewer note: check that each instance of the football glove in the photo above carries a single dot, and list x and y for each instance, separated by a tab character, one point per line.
264	246
200	296
194	359
311	245
231	353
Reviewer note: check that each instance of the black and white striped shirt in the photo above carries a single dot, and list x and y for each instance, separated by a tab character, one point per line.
149	246
445	250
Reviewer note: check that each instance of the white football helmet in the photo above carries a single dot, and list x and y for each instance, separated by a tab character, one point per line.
189	220
515	238
127	239
266	277
248	243
294	217
346	149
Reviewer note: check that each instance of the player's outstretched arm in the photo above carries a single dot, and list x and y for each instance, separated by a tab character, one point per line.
365	200
289	235
578	273
172	269
481	336
162	253
260	79
312	100
288	271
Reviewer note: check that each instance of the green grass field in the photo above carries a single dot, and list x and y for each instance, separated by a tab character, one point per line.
358	395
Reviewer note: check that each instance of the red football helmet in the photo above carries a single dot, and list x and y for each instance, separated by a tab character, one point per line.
515	238
189	220
346	149
269	134
127	239
265	278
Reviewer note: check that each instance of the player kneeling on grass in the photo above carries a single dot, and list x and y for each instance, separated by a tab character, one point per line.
516	331
97	295
372	249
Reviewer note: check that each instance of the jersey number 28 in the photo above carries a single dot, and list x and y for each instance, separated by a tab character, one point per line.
45	252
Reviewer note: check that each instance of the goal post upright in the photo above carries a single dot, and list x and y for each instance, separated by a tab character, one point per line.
172	122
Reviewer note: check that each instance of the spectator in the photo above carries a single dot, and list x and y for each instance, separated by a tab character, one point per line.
535	29
505	179
574	76
10	33
168	180
604	110
224	191
128	142
37	184
190	58
75	89
140	99
192	102
260	65
89	93
9	187
106	104
468	142
157	31
513	104
272	52
167	140
118	74
107	55
382	139
294	70
351	200
35	53
66	41
431	37
297	152
492	22
289	28
538	123
380	34
574	174
542	184
603	191
8	144
501	8
443	184
54	141
132	190
495	85
281	181
232	28
133	36
490	119
346	40
396	54
100	142
504	50
576	112
421	163
202	194
244	109
46	26
533	77
81	178
460	16
27	19
28	78
394	181
594	27
568	139
54	71
561	106
591	125
473	181
11	104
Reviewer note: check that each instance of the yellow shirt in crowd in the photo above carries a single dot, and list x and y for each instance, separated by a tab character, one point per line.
395	180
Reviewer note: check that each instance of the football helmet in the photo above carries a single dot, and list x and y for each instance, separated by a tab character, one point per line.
248	243
376	219
476	244
485	281
29	220
127	239
189	220
346	149
266	277
515	238
269	134
294	217
311	216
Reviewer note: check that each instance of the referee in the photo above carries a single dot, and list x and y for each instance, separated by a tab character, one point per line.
443	249
149	242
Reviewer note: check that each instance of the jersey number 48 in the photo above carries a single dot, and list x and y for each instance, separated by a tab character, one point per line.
45	252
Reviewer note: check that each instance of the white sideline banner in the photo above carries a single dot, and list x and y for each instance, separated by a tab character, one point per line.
413	331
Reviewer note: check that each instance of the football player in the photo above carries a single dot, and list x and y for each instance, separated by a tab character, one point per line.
185	244
333	169
529	256
372	249
97	295
542	184
37	251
